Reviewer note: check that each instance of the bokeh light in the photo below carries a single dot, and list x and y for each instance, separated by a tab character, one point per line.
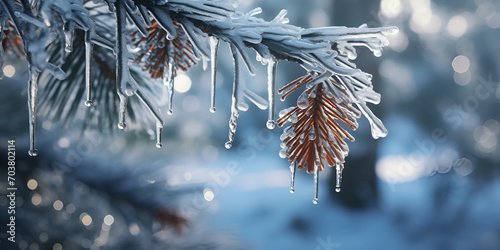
36	199
208	194
86	219
182	83
9	70
461	64
32	184
58	205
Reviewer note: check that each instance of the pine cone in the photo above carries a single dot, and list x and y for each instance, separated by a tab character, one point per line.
154	50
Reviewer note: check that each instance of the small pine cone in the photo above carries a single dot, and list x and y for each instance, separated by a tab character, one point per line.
154	54
315	136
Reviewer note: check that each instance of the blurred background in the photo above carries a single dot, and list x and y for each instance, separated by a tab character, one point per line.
432	183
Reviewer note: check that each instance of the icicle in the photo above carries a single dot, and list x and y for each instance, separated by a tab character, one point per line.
32	94
123	86
214	48
155	111
293	167
168	76
89	48
316	183
232	126
234	105
271	77
159	129
123	110
339	169
69	40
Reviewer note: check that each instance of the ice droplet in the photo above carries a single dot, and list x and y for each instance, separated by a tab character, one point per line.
122	125
88	103
303	101
170	111
313	94
214	48
293	168
312	136
32	152
271	124
228	144
378	131
283	152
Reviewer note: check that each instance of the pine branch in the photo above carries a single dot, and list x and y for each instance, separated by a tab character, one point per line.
192	29
62	99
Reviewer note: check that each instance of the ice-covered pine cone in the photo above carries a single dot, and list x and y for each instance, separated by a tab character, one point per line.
155	51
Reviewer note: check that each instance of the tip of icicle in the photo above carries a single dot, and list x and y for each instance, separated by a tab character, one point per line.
170	111
292	190
271	124
122	125
88	103
158	145
337	190
212	110
315	201
33	152
228	145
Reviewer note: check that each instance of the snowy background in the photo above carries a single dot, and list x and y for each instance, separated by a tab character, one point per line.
432	183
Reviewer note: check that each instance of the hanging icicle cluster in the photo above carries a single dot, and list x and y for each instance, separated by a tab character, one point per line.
175	34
